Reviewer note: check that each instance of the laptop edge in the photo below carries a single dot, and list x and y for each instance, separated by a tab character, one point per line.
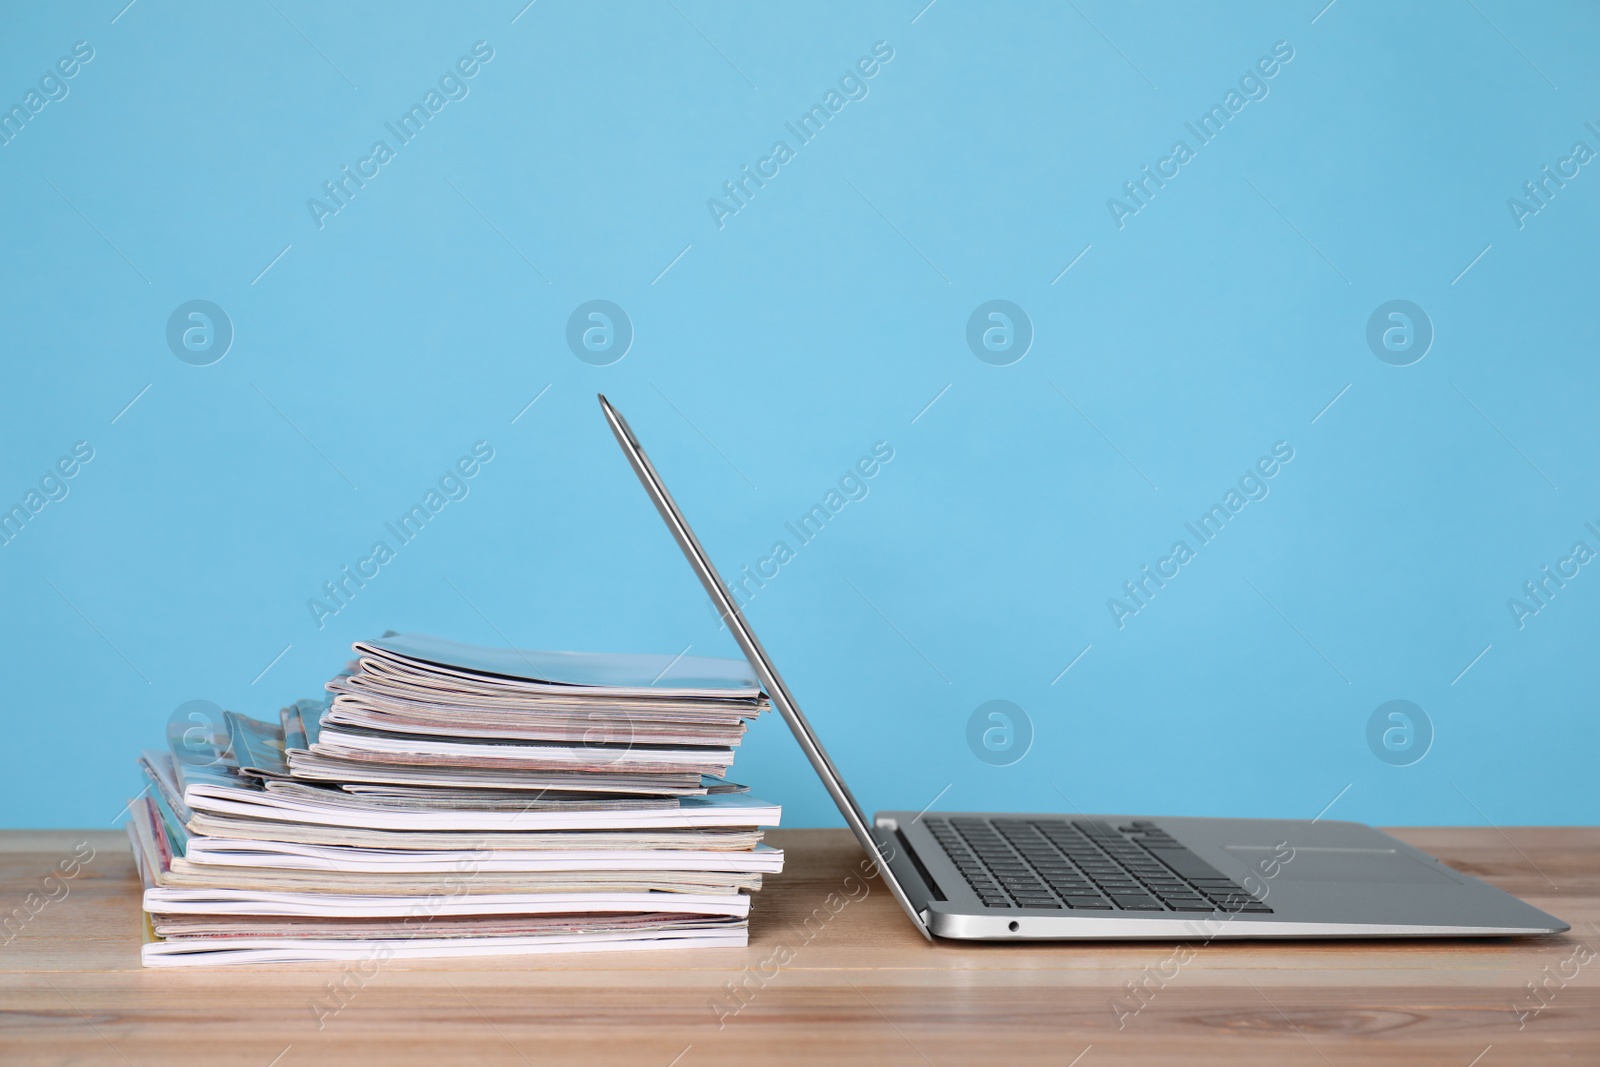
934	894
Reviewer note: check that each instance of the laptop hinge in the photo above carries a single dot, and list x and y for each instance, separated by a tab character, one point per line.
916	861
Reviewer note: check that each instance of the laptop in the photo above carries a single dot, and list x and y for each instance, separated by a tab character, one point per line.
1003	876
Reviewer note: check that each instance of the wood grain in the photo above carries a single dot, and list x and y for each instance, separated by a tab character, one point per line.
837	979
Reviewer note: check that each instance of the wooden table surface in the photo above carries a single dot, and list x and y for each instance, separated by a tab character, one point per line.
834	973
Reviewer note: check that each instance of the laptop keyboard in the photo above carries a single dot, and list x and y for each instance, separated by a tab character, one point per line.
1084	866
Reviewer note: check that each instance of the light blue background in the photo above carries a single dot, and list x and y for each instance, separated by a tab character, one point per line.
823	318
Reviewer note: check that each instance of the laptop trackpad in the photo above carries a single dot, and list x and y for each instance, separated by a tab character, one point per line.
1378	866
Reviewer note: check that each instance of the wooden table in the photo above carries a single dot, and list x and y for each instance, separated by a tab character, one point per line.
833	974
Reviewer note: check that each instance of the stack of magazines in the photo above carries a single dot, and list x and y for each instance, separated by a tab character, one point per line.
451	800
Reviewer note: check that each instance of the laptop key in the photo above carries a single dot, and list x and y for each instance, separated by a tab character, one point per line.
1043	864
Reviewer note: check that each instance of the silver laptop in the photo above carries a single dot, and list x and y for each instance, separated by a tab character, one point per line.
1016	876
